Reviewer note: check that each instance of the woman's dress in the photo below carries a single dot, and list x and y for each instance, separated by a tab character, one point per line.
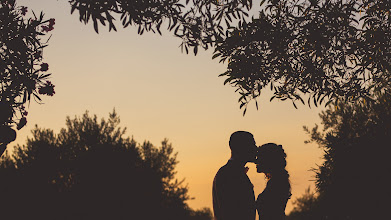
272	201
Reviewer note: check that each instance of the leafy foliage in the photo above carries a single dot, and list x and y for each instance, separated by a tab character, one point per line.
305	207
89	170
22	70
328	49
354	174
199	23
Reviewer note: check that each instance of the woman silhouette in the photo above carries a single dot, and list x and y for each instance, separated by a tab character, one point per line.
272	201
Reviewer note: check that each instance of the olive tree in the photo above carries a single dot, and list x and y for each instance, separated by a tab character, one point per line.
325	50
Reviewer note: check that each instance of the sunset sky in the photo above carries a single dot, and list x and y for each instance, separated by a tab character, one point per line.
160	93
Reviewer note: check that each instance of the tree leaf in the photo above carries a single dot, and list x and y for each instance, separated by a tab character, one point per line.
245	110
95	25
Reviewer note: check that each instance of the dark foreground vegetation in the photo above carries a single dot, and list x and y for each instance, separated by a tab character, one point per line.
353	181
89	170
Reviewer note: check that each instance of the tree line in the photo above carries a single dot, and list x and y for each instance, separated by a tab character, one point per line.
90	170
353	180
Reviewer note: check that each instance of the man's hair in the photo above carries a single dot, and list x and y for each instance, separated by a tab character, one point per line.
238	138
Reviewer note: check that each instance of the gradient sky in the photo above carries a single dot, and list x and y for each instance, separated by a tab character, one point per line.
160	93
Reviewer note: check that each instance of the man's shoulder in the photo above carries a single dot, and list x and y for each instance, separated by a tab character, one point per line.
226	171
221	172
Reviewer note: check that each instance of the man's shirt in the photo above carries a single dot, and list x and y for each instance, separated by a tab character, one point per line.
233	194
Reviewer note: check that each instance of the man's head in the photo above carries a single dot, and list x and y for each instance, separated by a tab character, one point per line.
243	146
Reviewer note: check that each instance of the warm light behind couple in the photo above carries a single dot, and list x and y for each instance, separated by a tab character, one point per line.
233	193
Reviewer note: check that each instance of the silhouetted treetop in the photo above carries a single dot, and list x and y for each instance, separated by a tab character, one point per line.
91	170
328	49
305	207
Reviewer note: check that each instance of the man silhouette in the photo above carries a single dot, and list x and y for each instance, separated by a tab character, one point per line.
233	194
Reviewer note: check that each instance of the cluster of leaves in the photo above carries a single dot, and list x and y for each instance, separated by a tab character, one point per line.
198	22
328	49
355	170
89	170
22	70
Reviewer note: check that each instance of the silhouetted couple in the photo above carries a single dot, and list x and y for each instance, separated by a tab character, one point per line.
233	194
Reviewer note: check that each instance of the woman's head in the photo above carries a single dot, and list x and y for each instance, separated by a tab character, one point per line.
270	159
